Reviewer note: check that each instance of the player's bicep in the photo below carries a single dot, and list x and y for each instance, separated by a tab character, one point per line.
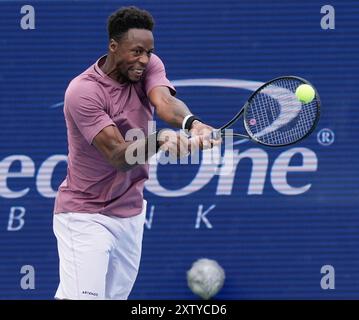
109	142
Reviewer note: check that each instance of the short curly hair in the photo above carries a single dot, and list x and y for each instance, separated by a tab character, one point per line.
127	18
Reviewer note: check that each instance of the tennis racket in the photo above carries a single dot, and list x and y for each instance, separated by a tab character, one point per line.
273	115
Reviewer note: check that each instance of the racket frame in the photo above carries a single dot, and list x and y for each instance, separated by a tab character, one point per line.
246	105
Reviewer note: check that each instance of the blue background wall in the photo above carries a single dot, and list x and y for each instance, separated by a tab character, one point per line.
271	245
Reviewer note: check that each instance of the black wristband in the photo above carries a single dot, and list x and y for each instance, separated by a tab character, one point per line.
190	120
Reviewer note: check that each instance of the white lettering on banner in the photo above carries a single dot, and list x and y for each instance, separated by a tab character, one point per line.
281	168
225	166
201	216
256	184
148	222
27	170
18	218
44	176
259	170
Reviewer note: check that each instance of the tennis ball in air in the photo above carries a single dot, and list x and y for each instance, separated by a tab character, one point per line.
305	93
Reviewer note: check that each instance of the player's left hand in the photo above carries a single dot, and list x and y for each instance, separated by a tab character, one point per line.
201	135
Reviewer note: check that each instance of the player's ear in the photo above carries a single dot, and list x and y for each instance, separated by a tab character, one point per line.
113	45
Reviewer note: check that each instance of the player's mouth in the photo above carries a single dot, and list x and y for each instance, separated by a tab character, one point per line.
138	72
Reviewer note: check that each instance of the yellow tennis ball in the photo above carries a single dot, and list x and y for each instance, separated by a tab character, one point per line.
305	93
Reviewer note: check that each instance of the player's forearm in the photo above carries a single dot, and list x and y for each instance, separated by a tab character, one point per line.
131	154
173	111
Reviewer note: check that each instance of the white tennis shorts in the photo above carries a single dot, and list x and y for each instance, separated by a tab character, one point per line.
99	255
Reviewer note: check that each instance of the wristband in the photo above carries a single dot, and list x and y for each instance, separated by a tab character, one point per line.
187	122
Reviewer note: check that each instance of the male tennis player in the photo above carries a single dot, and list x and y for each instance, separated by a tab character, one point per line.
99	209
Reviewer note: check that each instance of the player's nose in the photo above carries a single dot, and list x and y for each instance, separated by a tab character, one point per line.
144	59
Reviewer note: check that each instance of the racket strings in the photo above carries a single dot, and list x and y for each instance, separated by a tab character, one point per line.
275	116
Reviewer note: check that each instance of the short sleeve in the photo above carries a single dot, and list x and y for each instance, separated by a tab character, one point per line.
86	106
156	75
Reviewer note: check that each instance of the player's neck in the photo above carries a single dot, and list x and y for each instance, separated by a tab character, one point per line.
109	68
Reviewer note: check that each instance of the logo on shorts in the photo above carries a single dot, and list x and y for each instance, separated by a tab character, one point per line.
90	293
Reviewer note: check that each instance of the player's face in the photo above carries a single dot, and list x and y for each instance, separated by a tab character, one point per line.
132	54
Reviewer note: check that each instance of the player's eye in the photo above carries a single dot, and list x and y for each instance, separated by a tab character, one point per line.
137	52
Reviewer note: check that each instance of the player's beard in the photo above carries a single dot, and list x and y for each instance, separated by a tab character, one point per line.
124	77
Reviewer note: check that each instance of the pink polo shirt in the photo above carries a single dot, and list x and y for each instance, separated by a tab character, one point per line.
94	101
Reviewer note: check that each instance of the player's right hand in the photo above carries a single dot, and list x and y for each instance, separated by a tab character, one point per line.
201	136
